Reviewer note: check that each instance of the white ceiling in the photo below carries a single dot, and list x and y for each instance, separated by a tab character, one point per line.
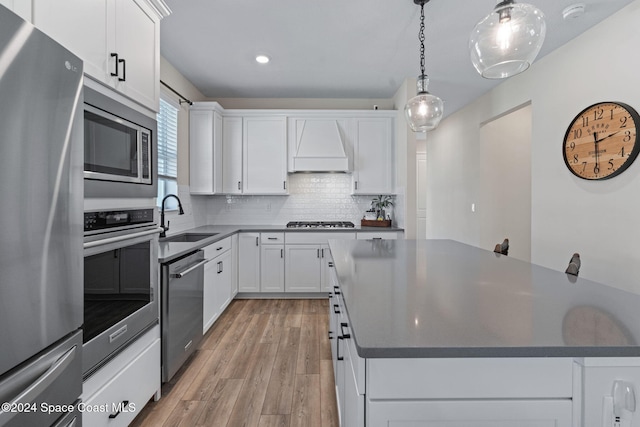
341	48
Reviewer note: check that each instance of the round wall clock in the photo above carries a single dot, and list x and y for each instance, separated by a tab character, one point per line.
601	142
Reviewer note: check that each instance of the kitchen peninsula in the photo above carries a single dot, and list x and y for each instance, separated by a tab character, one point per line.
436	331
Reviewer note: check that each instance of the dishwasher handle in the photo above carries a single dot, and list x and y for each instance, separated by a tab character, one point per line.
181	274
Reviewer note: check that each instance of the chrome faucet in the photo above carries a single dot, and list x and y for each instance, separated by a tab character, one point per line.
180	212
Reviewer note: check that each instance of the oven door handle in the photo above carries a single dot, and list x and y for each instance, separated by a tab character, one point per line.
108	240
186	271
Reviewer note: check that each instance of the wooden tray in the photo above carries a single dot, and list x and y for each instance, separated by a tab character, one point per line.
375	223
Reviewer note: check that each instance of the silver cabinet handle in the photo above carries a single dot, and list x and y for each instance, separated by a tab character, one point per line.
272	238
40	384
183	273
257	241
322	252
220	267
284	184
356	185
239	186
318	254
281	253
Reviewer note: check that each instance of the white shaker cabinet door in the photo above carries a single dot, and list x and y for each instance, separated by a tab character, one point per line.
272	268
303	268
232	155
373	156
264	160
137	41
224	274
19	7
249	262
82	27
205	153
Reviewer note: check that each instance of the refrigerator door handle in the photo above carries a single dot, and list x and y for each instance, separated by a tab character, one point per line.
40	384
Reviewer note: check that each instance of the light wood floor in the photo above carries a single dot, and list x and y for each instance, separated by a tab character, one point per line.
264	363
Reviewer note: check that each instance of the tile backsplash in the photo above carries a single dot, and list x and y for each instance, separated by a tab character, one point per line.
312	197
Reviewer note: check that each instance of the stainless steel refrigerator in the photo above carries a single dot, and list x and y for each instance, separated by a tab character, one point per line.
41	196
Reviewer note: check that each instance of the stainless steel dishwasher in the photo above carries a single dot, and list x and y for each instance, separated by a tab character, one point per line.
182	287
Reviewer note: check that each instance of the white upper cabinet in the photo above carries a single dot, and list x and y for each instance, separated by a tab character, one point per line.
19	7
137	43
373	156
205	152
118	40
232	155
264	149
80	26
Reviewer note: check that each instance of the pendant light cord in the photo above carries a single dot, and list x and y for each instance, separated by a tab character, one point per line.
421	38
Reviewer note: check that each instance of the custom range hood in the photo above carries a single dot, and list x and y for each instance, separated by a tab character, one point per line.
318	146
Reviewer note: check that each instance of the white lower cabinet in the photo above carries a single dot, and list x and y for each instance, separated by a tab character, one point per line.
303	268
442	392
116	393
272	268
308	260
601	405
466	413
217	290
249	262
234	263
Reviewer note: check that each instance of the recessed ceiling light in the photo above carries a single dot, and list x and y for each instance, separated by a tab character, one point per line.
574	11
262	59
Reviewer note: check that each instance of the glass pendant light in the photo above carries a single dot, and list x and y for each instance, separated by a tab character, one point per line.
424	111
507	41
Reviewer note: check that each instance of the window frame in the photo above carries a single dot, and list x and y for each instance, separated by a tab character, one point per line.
163	179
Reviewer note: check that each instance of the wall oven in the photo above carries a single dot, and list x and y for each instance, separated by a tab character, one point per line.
119	149
120	281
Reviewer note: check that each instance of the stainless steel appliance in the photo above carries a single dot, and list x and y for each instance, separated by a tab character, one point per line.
320	224
40	225
120	281
119	149
182	292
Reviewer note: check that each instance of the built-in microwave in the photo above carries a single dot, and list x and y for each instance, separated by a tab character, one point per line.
119	149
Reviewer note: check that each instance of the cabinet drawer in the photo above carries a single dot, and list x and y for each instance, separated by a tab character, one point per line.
127	392
217	248
271	238
317	238
459	413
470	378
367	235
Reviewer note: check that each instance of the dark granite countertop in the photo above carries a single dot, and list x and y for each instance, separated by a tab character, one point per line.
169	251
441	298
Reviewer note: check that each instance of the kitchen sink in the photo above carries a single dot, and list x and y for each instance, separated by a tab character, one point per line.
187	237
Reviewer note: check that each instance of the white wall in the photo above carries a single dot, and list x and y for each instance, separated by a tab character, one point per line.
597	219
195	211
405	159
504	199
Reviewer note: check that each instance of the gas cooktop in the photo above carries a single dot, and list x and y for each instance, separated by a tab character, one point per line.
320	224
